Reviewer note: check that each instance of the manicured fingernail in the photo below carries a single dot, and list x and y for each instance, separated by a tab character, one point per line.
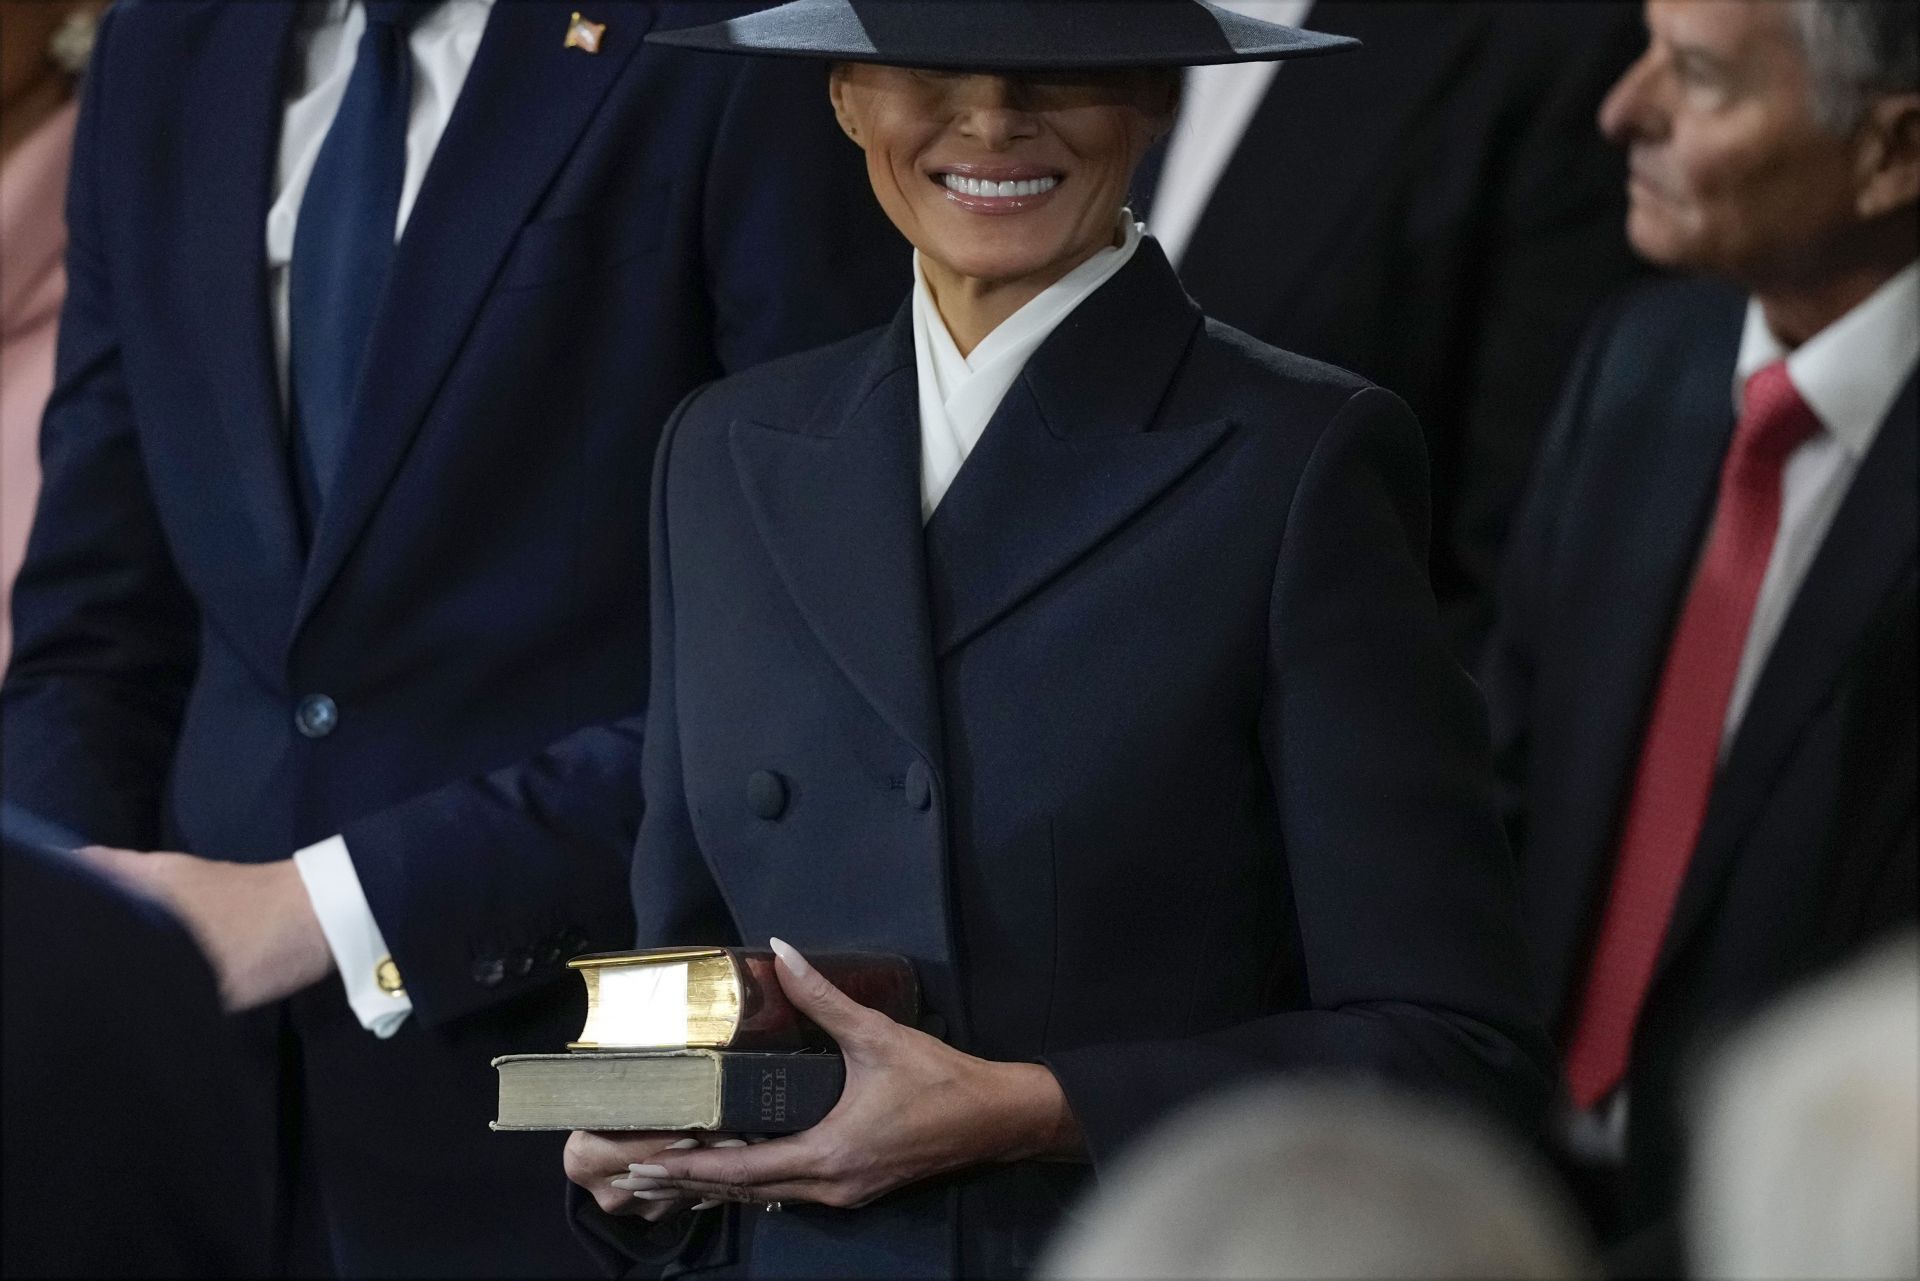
648	1171
681	1145
707	1205
661	1194
796	964
758	1139
631	1184
731	1143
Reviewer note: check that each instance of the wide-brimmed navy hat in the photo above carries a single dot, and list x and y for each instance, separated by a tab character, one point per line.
1007	35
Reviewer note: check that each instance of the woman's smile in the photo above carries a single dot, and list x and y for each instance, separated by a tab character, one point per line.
998	189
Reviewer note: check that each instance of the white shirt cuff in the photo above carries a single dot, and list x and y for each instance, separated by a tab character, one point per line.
353	936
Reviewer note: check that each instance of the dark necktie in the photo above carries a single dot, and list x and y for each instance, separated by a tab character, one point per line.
343	246
1681	750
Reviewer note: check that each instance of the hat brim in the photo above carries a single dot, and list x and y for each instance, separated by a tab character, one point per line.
1007	35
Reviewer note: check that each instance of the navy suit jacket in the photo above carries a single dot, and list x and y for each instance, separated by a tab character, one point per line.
1148	752
1809	844
599	233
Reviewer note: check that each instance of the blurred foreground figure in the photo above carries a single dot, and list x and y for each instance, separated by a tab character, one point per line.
1433	213
118	1088
1808	1133
336	596
1323	1180
1703	678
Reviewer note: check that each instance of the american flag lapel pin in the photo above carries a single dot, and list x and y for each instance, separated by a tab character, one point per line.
582	34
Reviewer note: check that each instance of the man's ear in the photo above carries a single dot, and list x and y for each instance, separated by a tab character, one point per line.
1887	168
840	91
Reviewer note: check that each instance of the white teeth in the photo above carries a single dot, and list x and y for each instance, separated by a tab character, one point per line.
998	190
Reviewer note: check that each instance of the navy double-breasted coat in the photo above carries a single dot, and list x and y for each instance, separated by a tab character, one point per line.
1147	750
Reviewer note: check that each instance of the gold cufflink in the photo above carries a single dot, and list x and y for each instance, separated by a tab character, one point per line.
582	34
387	975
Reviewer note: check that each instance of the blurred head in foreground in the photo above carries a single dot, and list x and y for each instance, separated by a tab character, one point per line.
1777	145
1807	1158
1323	1180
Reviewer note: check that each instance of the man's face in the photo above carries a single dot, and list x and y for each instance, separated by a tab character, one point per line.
1730	172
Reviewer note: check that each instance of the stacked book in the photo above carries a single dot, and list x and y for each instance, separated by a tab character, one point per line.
696	1039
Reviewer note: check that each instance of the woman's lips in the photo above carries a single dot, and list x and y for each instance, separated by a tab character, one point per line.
997	191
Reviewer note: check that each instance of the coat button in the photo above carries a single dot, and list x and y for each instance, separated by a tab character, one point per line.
316	716
489	971
919	786
766	794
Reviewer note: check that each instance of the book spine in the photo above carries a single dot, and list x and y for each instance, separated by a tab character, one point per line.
777	1093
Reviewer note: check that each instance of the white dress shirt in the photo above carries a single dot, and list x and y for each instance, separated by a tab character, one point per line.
443	44
1849	374
1215	110
959	394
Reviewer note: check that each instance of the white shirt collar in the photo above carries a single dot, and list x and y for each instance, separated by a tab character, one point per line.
1851	372
960	394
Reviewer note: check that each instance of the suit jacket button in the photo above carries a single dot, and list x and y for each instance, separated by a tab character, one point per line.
316	716
489	971
766	794
919	786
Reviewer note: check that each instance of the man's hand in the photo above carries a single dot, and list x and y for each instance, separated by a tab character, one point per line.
254	921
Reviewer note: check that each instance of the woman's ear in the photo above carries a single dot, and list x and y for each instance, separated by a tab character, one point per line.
841	91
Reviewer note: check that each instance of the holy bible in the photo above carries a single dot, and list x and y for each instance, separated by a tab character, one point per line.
697	1039
720	1090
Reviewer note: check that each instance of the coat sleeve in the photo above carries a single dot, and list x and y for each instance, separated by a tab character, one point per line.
1376	746
106	634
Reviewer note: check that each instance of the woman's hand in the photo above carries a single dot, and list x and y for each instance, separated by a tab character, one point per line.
912	1107
603	1165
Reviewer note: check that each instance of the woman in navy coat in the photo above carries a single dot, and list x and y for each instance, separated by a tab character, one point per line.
1077	647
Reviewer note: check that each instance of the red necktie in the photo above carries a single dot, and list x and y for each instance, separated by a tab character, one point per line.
1682	744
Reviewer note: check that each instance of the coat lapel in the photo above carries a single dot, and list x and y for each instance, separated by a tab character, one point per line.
1294	176
1625	586
1869	548
837	504
1069	457
523	108
231	152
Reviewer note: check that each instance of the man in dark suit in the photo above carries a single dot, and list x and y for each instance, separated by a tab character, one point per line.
1703	680
389	617
116	1057
1433	212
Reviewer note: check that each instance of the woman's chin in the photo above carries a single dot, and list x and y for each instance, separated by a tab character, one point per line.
1003	263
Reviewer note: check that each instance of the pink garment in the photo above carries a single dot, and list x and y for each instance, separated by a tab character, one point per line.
33	281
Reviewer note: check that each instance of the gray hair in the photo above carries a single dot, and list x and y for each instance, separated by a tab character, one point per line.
1857	50
1807	1132
1323	1180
